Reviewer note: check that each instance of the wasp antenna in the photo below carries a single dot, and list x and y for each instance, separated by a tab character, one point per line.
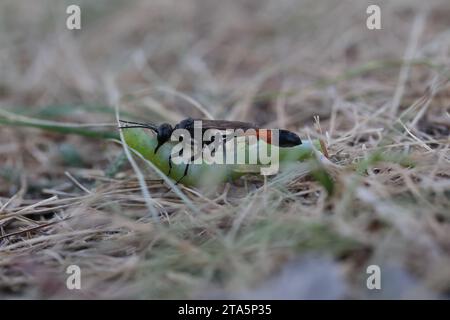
131	127
137	125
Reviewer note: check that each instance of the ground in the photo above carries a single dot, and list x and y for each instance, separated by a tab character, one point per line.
380	99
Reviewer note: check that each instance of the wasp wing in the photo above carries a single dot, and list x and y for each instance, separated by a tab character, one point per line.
224	124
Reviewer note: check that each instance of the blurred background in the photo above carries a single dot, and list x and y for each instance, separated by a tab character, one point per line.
215	51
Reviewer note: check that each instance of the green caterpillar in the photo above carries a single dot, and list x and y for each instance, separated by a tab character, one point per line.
209	174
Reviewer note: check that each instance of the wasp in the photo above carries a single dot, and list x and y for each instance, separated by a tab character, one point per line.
164	132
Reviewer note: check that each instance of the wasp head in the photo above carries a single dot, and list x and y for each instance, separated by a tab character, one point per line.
164	132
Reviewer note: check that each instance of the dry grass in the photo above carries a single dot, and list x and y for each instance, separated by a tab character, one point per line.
382	97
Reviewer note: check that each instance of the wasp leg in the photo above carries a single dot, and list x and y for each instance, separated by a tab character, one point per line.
158	146
170	164
187	164
184	173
